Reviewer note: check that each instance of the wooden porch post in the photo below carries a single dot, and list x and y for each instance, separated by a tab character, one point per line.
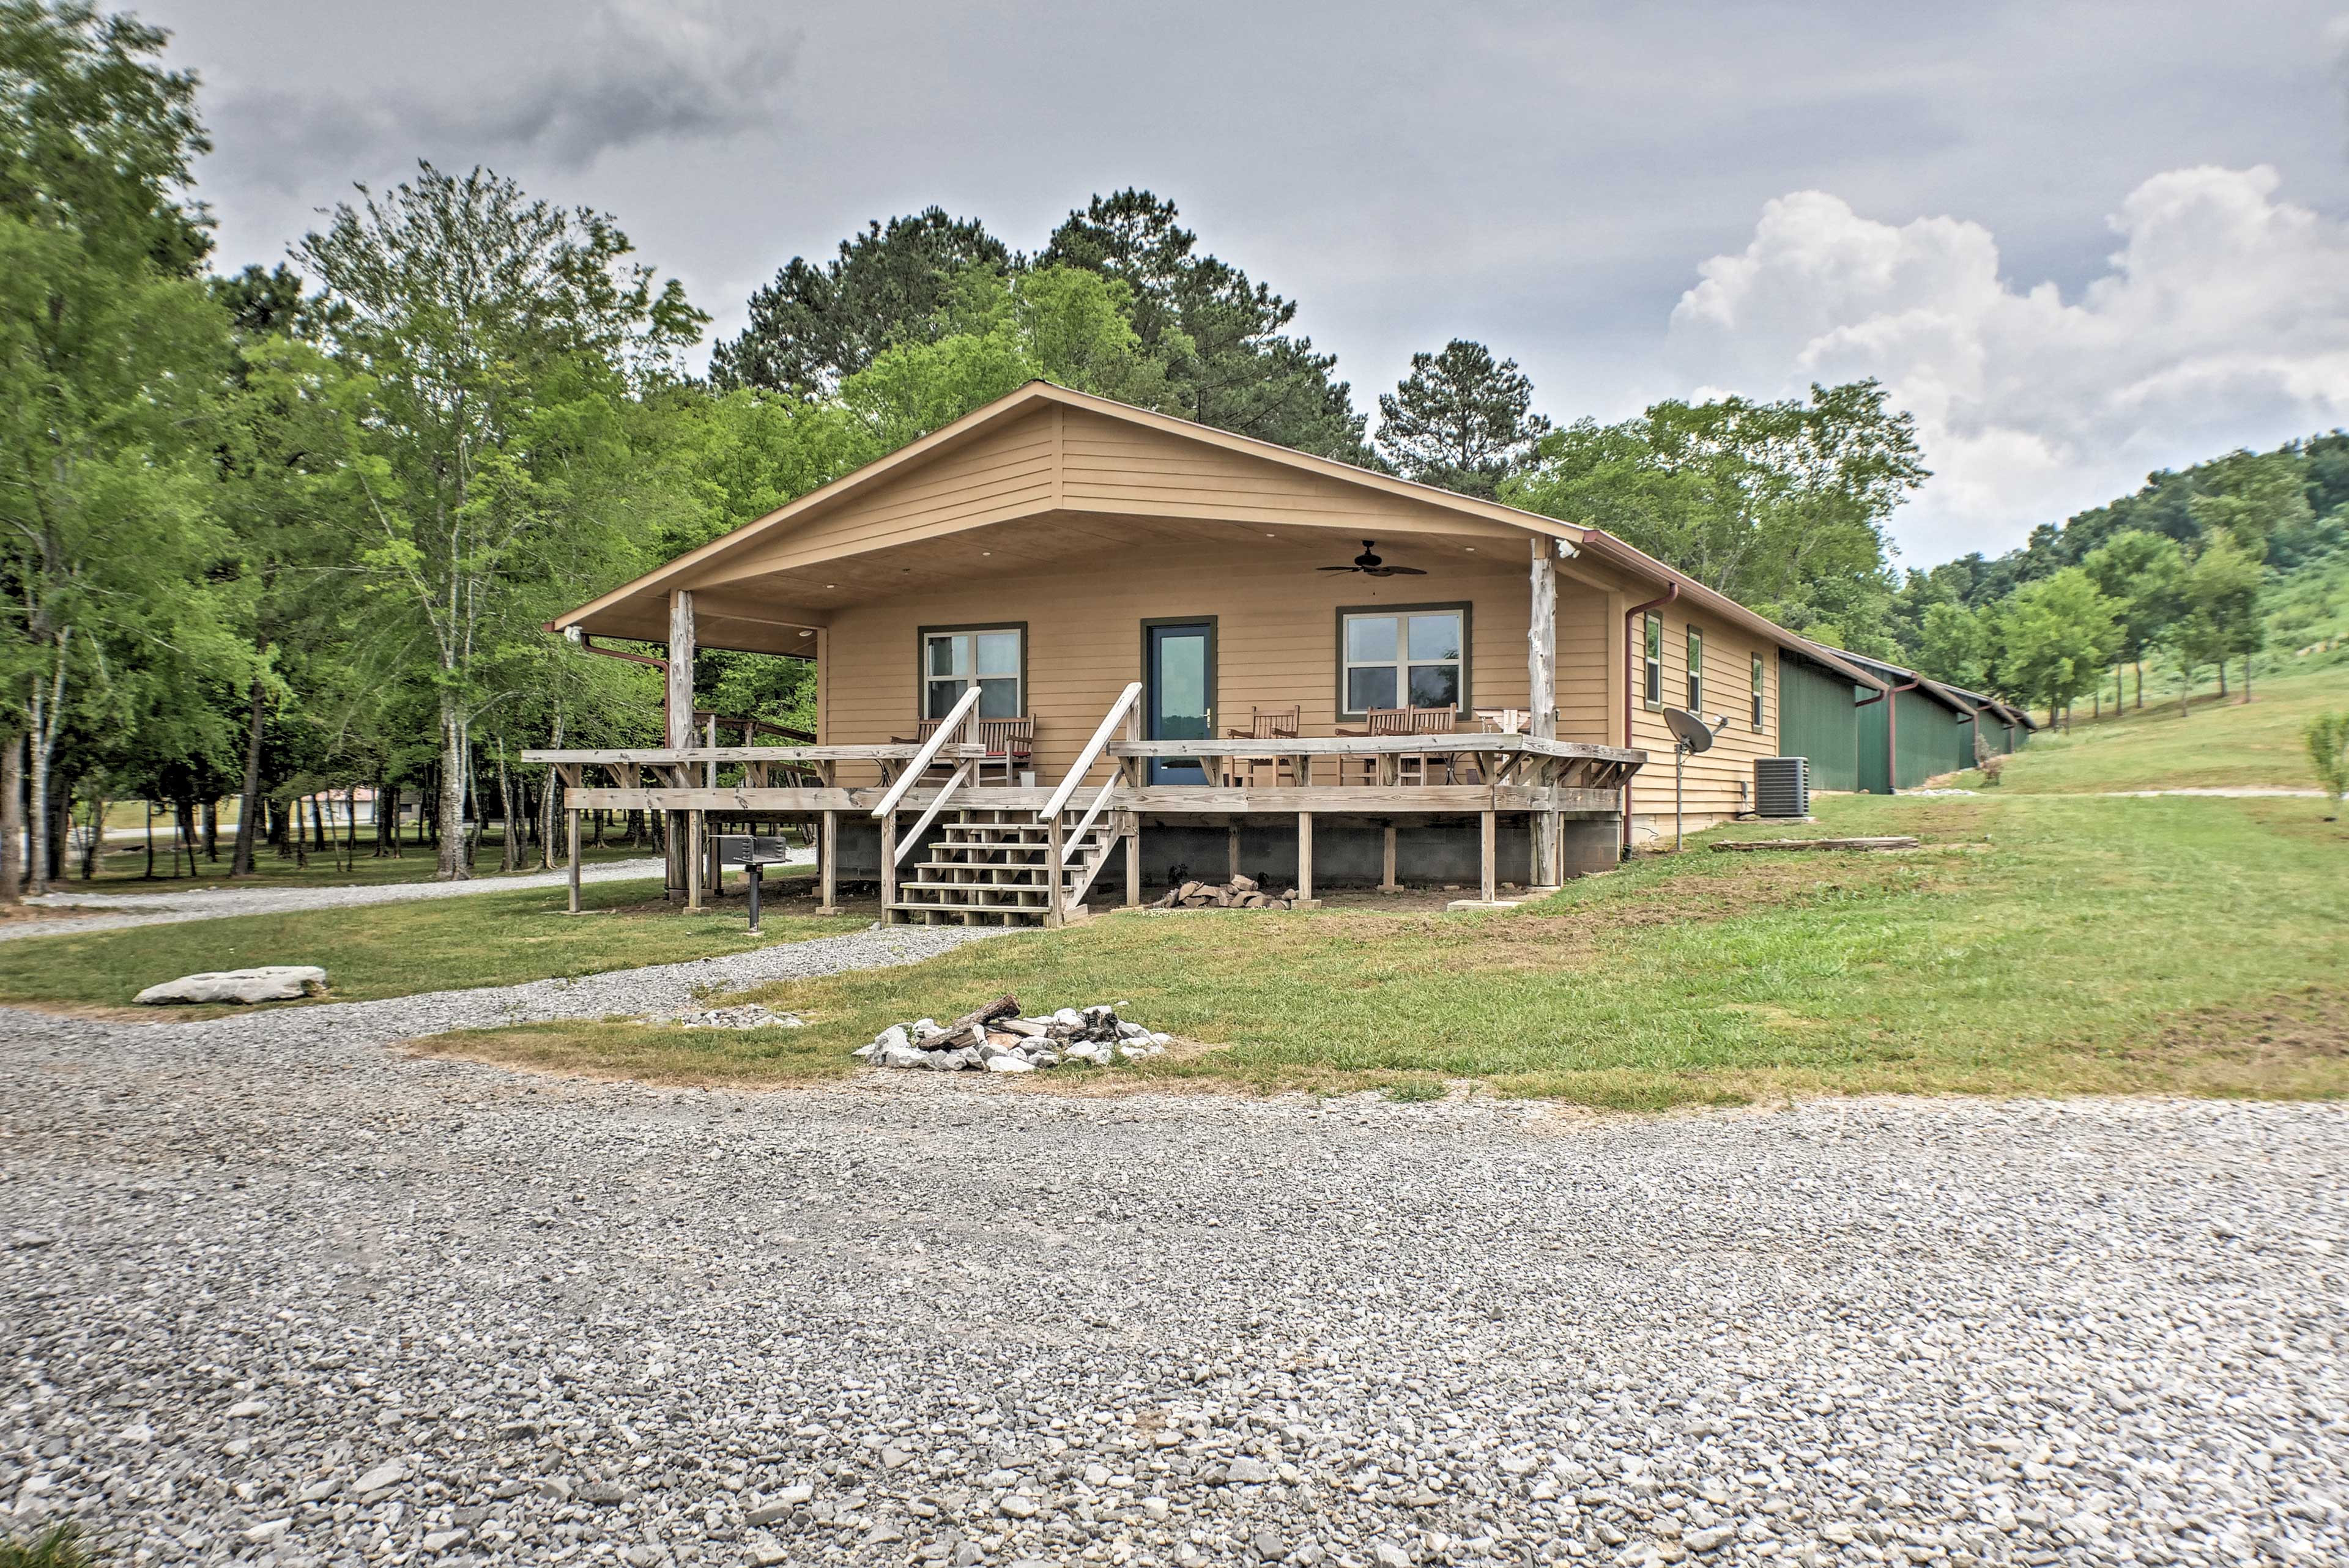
827	856
573	814
693	842
1055	862
889	868
1232	851
1490	825
1387	883
679	841
1541	690
1305	855
1134	864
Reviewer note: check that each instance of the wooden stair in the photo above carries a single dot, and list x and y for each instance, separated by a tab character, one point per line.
992	866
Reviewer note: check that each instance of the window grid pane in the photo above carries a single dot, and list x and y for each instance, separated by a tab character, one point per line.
1368	687
1370	639
1434	638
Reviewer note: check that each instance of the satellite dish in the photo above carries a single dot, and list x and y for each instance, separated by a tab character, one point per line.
1693	734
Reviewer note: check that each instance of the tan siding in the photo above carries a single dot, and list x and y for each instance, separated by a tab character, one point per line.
1006	473
1712	779
1276	642
1114	467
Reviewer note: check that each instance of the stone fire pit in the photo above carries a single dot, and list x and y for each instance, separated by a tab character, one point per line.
997	1039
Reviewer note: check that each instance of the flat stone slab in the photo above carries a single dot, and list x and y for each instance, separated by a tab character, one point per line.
267	983
1476	906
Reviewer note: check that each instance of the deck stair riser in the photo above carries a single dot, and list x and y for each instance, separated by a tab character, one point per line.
992	866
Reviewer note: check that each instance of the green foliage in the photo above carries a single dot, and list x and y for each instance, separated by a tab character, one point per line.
1779	505
59	1546
2249	497
814	327
1956	646
2144	575
2327	737
1222	337
1460	419
2055	638
2218	596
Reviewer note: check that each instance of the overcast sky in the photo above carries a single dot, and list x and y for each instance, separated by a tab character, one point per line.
2080	241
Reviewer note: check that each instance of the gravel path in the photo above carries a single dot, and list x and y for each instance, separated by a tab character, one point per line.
277	1294
210	903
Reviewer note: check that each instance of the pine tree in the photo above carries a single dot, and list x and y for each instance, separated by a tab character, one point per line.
1460	419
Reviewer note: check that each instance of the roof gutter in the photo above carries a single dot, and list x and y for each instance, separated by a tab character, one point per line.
1672	591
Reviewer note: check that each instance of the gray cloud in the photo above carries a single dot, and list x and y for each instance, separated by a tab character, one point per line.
632	74
1548	175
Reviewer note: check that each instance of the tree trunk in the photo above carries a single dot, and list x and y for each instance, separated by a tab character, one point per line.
183	820
2140	686
248	810
12	819
212	830
318	840
2222	677
2247	677
150	838
451	818
95	845
510	852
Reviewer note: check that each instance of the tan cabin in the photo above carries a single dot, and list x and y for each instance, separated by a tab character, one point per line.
1065	645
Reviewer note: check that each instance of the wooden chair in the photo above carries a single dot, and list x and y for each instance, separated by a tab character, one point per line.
1411	767
1264	724
1011	742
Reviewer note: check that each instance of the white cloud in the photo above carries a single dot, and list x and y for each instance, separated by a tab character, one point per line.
2223	320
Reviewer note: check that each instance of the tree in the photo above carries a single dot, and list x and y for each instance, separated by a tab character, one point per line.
1778	505
2055	637
108	347
1222	337
814	327
1460	419
2248	496
2141	572
1956	646
2220	597
493	344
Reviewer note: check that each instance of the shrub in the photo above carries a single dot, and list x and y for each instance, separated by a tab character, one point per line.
2328	747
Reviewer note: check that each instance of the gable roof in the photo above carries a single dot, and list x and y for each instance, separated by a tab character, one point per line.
637	609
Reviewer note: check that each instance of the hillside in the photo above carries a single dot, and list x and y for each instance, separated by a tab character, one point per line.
2215	745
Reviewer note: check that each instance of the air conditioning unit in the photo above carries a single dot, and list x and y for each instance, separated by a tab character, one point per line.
1782	786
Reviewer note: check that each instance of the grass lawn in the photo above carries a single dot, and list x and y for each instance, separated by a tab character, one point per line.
397	949
122	868
2037	945
2236	745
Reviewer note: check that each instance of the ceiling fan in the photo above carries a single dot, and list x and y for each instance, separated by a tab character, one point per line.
1369	564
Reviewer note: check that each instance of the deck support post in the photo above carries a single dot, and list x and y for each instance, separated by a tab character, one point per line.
827	857
1232	851
693	859
1541	689
889	911
1305	856
574	831
677	733
1134	864
1056	850
1488	825
1387	883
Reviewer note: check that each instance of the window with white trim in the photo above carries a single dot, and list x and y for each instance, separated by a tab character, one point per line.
1758	687
1651	683
952	661
1415	658
1695	671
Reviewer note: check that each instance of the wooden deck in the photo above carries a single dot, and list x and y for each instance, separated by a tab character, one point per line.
1011	853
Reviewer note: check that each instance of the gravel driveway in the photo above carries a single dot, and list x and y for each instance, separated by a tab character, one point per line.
276	1292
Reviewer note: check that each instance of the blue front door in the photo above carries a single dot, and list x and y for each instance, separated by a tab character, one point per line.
1179	695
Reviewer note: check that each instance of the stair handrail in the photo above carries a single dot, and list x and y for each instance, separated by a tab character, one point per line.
1093	751
1077	833
949	728
913	839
